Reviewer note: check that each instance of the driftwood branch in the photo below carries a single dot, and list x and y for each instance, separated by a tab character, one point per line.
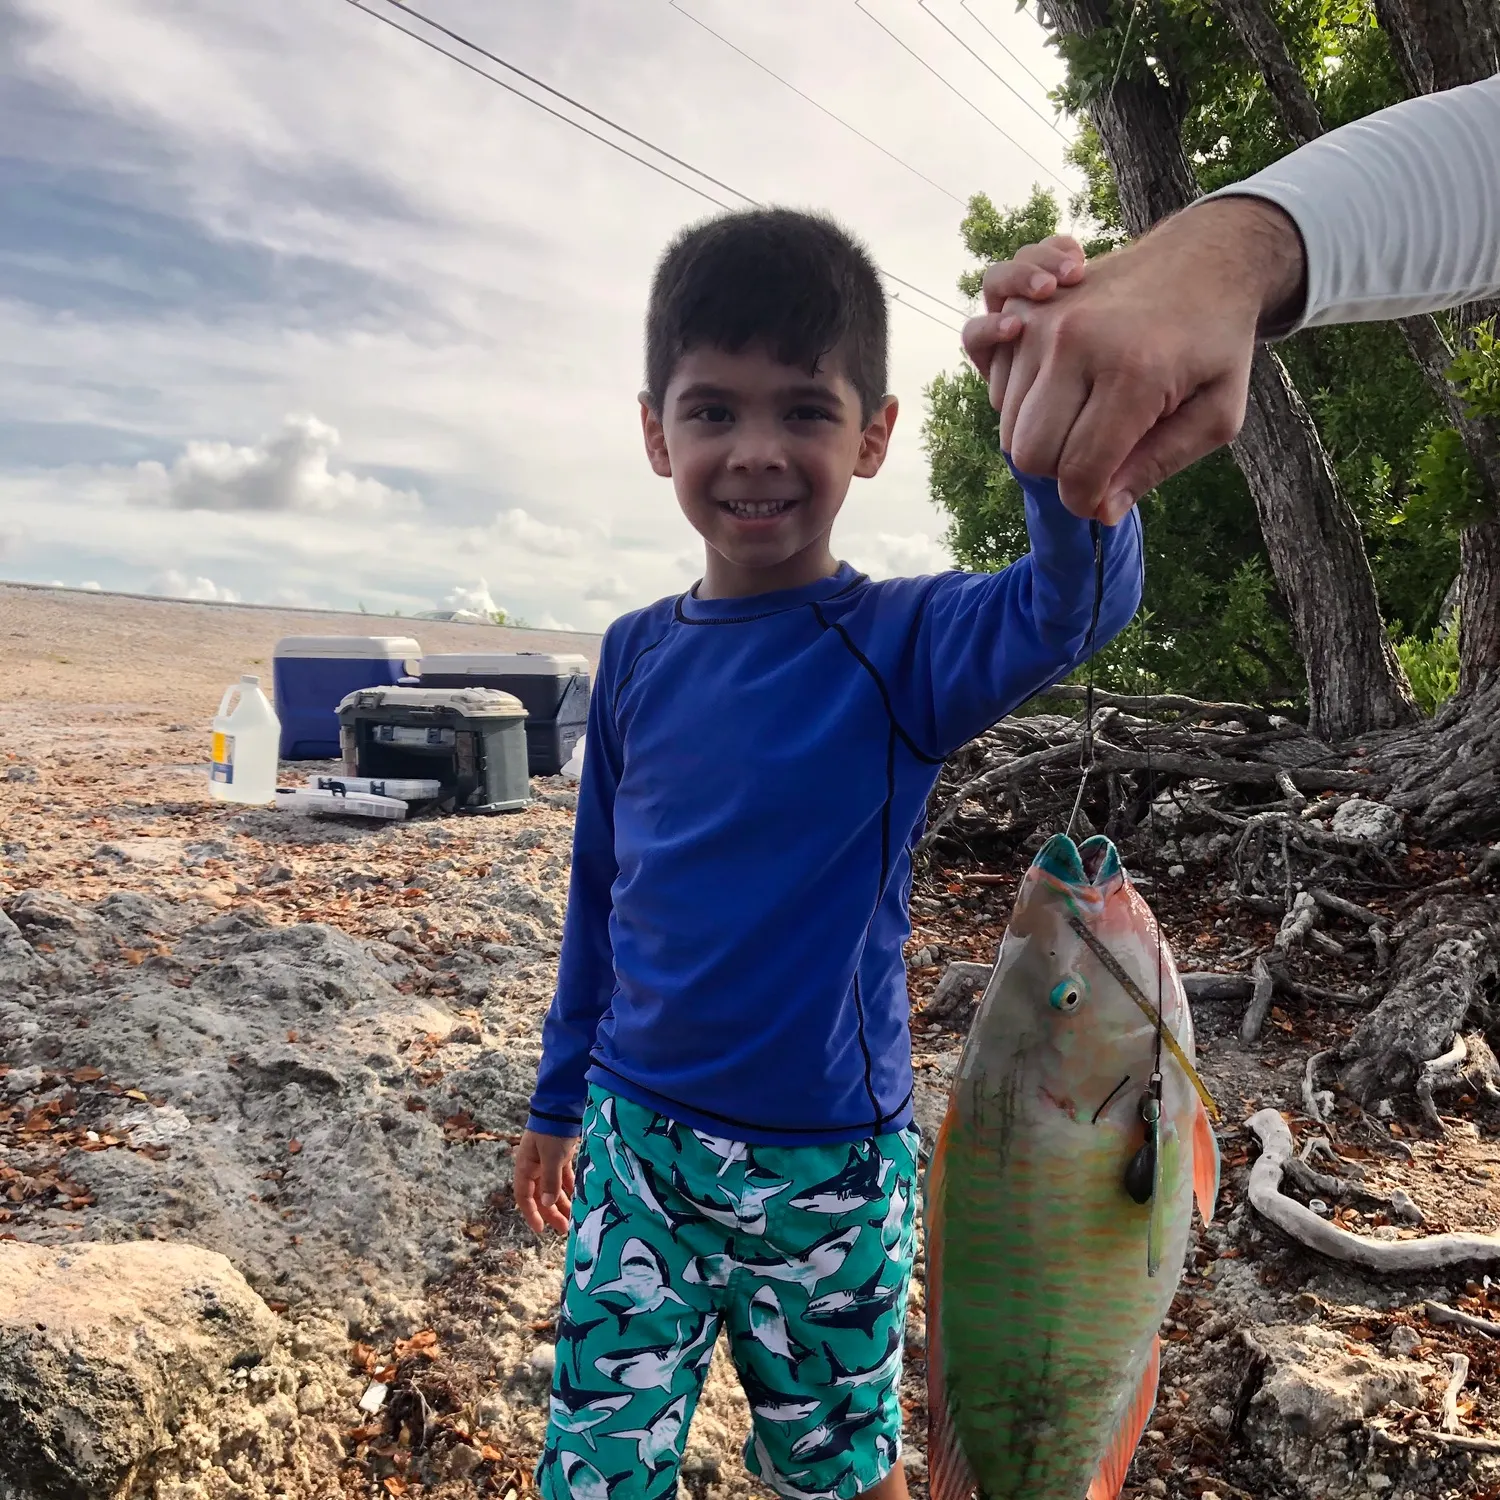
1458	1373
1211	986
1434	1253
1264	990
1312	1101
1229	772
1437	1312
1189	709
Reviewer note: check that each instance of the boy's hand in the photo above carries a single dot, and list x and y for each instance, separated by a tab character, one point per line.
544	1179
1034	275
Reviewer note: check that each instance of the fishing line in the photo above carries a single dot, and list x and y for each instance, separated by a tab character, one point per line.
1131	988
1086	752
1143	1175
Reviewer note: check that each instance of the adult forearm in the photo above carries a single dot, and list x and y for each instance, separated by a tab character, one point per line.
1398	213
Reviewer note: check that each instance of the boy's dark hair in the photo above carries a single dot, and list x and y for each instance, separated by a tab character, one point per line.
795	282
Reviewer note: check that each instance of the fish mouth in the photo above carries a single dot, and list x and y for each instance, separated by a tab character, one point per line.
1095	862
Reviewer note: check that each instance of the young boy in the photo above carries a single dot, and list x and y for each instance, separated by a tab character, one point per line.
730	1031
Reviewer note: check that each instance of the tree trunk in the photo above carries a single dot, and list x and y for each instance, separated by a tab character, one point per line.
1312	536
1262	39
1437	46
1443	44
1479	609
1322	554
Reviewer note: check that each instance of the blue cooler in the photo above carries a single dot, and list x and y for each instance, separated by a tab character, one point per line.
313	674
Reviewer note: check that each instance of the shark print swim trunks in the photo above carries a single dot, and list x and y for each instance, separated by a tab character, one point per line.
803	1254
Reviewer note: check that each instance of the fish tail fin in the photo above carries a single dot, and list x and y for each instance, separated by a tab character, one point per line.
1115	1464
949	1474
1205	1164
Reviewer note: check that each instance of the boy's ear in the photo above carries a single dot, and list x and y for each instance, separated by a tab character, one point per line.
656	439
876	439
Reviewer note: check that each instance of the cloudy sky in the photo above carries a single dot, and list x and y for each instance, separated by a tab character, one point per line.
295	310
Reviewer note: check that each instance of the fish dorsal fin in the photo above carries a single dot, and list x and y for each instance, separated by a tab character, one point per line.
1205	1163
1115	1464
949	1474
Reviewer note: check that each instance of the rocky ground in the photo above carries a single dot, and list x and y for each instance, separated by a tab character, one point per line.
260	1078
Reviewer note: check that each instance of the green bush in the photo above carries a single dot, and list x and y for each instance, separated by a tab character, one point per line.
1431	665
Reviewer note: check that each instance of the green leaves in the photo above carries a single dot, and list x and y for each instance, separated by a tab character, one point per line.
1431	665
991	234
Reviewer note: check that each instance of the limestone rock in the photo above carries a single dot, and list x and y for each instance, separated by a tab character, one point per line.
20	963
106	1350
1318	1388
1373	822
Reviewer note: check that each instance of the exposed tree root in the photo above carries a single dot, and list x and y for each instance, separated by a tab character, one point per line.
959	981
1312	1098
1437	1312
1264	981
1435	1253
1177	782
1448	962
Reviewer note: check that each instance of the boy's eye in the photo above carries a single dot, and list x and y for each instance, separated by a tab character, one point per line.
809	414
713	414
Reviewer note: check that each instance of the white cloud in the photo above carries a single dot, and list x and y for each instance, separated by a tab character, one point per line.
286	472
92	586
886	556
550	622
525	531
478	598
610	590
457	326
174	585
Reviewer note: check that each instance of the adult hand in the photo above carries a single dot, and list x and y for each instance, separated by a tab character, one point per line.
1122	378
544	1179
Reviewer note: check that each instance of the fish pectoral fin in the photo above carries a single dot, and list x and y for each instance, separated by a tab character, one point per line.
1164	1191
1110	1479
1205	1164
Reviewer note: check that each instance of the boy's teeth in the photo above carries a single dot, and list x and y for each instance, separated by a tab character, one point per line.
753	509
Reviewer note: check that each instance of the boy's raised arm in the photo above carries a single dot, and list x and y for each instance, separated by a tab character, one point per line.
585	976
989	641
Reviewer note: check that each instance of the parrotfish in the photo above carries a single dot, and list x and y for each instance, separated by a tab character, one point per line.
1060	1193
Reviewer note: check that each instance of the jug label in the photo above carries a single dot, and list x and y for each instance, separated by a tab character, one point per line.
223	759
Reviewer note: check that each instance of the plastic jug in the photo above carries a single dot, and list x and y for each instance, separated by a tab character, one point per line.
245	741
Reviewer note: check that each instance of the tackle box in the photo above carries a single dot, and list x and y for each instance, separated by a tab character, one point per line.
329	803
472	741
313	674
408	789
554	690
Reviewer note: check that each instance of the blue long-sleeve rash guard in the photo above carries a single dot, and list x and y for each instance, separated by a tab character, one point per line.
756	779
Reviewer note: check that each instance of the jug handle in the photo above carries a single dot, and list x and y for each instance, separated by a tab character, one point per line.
229	693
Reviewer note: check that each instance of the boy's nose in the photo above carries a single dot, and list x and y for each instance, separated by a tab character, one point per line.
757	449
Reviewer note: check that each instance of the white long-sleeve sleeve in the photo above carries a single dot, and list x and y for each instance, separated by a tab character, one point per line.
1399	212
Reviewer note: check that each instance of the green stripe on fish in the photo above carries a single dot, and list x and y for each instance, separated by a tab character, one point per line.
1046	1281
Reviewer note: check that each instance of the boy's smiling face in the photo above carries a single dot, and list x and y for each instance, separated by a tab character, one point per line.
761	455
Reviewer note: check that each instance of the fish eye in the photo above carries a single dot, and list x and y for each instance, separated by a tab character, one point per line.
1066	994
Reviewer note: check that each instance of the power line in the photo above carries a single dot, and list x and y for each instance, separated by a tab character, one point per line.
1000	77
545	108
964	4
464	41
593	114
821	108
869	15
